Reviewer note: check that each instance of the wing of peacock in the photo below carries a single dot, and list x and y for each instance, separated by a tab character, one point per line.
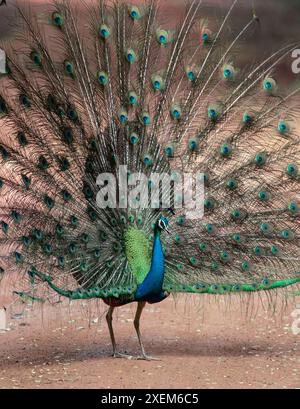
88	91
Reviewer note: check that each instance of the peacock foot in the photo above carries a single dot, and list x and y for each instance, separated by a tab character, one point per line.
120	355
145	357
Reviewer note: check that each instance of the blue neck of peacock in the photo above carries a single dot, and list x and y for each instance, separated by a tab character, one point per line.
151	287
157	269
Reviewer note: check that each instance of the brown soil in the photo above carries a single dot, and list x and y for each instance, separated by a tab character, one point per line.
70	348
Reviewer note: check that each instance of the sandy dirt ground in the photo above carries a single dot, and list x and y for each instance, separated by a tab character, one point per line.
70	348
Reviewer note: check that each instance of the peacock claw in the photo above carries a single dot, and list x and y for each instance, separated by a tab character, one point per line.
120	355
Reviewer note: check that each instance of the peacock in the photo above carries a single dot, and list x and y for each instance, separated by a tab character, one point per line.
108	86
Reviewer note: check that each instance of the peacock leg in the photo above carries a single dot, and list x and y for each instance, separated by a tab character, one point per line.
112	336
139	310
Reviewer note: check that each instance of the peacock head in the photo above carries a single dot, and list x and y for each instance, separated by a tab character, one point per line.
162	224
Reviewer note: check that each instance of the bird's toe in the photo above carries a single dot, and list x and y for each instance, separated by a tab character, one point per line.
120	355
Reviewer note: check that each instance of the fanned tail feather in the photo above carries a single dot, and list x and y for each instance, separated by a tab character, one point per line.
120	85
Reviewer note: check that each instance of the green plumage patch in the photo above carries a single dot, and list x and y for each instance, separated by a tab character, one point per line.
138	252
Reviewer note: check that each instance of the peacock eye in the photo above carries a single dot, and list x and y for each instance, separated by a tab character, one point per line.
84	267
134	139
225	150
162	37
181	220
228	72
258	250
169	150
18	257
102	78
292	170
4	227
132	98
22	138
26	241
72	114
210	228
203	247
38	234
205	37
157	82
69	67
269	85
293	208
123	116
60	111
238	215
59	230
225	256
49	202
275	250
193	144
237	237
247	118
67	135
16	216
263	195
214	267
24	100
209	204
260	159
130	56
146	118
245	266
175	112
66	195
214	112
265	228
74	221
231	184
72	248
97	253
147	160
57	19
134	13
191	76
36	58
282	127
104	31
287	234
